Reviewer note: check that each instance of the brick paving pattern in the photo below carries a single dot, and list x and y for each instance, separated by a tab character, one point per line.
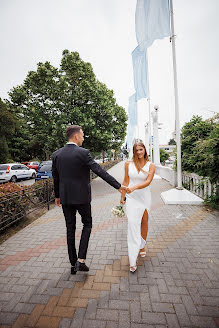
176	285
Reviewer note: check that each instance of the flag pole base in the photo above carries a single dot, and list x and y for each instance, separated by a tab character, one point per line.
180	197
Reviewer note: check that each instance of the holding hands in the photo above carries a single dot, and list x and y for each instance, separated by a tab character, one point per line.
130	189
125	190
122	189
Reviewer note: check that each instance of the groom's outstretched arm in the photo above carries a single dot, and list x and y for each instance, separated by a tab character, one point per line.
96	168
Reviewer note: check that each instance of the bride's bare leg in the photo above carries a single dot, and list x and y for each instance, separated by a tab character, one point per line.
144	227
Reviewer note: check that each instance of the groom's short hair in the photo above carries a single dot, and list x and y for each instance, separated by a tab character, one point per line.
72	130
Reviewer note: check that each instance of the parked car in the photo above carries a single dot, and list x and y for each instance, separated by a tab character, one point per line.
49	162
15	171
31	165
99	161
44	172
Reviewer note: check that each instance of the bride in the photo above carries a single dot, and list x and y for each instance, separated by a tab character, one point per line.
139	173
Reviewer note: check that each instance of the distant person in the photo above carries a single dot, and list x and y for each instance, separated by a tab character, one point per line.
71	174
139	173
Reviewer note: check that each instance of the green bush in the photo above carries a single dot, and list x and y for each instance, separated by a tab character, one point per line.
213	200
200	151
163	155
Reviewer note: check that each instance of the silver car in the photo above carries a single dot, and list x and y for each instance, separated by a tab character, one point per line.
15	171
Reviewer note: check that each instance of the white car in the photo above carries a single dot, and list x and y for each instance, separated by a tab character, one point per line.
15	171
99	161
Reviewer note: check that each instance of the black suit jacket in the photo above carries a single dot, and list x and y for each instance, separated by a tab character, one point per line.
71	174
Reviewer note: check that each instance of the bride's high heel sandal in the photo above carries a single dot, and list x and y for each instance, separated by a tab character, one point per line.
143	253
133	269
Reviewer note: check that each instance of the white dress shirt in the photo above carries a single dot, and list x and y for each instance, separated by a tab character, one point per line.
71	143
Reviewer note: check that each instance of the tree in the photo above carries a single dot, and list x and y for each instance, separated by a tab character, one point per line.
163	155
52	98
172	142
200	147
7	127
208	155
192	132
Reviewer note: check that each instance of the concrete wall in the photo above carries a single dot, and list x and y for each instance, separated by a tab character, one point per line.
167	173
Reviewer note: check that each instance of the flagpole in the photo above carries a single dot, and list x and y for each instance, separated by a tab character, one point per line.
149	112
177	123
149	125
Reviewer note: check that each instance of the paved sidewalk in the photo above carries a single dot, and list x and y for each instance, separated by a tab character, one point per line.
176	285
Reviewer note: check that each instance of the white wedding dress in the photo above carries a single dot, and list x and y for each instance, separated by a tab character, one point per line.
136	203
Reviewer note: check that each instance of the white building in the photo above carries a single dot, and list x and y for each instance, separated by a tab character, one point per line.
168	148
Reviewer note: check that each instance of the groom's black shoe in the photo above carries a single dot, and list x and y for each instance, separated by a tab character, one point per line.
81	266
73	271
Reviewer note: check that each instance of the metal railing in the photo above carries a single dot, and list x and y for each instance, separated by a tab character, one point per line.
200	186
17	205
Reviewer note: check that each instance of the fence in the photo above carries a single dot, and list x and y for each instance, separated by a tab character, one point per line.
16	205
201	186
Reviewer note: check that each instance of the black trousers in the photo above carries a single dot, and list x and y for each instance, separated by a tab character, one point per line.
70	219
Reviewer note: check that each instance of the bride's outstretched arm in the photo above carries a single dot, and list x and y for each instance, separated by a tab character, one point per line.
146	183
125	182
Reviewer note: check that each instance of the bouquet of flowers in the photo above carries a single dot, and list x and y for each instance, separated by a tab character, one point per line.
118	211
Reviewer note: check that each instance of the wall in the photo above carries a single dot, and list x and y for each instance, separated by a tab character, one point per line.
167	173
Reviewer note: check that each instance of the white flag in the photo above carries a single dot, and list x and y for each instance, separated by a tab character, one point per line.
152	21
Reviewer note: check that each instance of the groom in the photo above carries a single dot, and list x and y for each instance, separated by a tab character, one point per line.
71	175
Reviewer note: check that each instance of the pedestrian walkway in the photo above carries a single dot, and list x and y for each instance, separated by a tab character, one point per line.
176	285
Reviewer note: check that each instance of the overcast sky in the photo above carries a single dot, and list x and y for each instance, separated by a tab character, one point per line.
103	32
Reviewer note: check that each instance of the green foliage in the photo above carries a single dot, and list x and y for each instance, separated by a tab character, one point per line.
200	151
124	150
51	98
208	155
213	200
172	142
163	155
7	127
200	148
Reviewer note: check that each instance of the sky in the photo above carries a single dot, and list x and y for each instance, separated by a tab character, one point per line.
103	32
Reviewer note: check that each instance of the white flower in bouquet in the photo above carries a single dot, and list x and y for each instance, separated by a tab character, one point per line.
118	211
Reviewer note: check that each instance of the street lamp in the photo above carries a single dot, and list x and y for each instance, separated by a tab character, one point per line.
156	150
146	127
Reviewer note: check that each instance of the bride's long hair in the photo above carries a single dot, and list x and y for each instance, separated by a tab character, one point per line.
135	156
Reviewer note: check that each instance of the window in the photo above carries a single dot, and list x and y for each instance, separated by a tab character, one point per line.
45	168
15	167
3	167
23	167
